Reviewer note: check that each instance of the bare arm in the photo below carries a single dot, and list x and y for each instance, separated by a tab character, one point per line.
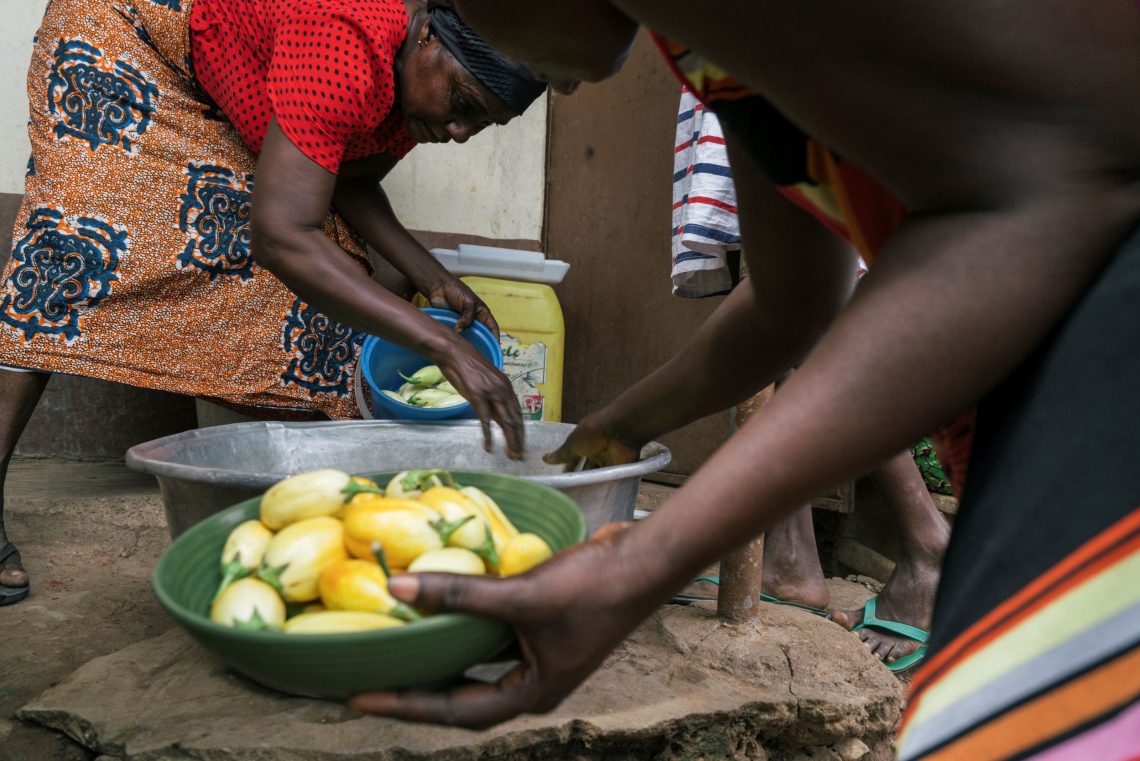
291	201
915	347
800	275
1024	197
364	205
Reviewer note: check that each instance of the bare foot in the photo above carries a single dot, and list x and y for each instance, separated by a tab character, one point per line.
792	572
907	598
807	589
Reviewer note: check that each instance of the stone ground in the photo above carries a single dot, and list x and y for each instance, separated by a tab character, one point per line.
796	689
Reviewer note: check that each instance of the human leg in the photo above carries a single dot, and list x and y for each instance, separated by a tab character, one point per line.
19	393
908	596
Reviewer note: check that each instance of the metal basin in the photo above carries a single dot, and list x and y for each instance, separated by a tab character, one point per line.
203	471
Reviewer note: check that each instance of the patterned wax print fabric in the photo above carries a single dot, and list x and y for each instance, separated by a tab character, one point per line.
325	69
1034	652
131	252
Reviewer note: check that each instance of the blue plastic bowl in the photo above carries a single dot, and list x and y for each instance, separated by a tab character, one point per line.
381	363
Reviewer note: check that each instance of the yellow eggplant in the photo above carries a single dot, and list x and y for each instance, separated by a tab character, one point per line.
475	535
362	524
305	495
404	535
243	550
300	552
522	553
448	560
501	527
338	622
375	503
360	585
248	604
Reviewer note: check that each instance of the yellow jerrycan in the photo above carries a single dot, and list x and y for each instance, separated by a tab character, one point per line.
516	287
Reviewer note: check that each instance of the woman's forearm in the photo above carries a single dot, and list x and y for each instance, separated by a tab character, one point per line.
364	205
314	268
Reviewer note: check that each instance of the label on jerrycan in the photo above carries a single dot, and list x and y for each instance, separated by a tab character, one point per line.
525	365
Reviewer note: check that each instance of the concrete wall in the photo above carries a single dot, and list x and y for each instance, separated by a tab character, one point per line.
491	187
21	19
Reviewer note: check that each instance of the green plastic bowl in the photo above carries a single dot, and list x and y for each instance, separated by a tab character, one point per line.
427	653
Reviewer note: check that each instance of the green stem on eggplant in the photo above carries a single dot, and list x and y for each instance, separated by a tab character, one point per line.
381	558
272	577
416	480
231	572
446	529
352	488
487	550
404	612
255	623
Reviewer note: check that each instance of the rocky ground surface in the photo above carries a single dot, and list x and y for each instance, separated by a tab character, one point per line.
92	667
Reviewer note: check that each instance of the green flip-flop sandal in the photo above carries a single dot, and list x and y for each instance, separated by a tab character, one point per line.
684	598
821	612
871	621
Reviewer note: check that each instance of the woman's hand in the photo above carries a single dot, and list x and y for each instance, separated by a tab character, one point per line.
599	442
488	390
566	621
452	293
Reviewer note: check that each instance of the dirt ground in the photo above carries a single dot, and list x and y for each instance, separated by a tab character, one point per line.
90	534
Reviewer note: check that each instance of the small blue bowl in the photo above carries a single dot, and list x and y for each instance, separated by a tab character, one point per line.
381	363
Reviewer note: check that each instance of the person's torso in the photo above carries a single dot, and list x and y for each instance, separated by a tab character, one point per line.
323	68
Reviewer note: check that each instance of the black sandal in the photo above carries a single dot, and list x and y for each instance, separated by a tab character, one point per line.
10	595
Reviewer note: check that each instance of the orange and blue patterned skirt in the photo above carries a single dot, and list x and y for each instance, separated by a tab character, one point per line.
131	254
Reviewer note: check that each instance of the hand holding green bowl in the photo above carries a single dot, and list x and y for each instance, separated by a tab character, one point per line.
430	652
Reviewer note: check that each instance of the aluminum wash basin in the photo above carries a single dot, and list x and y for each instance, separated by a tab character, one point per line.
202	471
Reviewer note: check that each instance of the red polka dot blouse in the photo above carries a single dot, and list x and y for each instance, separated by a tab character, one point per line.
324	68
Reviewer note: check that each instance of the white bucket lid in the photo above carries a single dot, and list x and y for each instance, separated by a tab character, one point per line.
505	263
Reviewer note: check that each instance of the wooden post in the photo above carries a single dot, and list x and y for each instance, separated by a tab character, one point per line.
738	599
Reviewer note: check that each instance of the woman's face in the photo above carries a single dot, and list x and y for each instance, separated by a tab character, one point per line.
440	99
562	43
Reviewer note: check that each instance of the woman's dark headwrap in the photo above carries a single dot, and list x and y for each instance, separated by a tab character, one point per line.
509	80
